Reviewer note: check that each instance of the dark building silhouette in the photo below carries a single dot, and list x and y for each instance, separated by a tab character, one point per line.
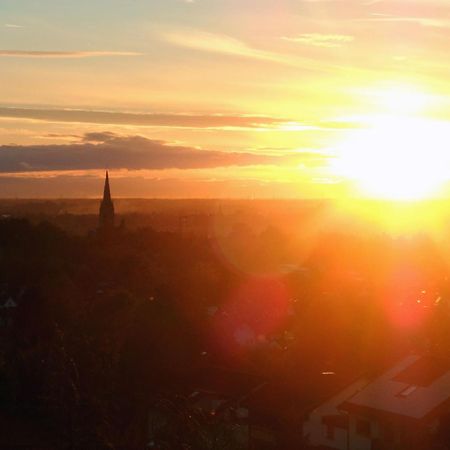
106	217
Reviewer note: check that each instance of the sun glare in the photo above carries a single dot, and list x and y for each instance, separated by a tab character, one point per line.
398	156
402	159
401	99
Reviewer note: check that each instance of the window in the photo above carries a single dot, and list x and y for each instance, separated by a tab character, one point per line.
363	427
407	391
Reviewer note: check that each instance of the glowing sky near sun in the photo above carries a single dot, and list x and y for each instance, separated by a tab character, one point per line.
218	98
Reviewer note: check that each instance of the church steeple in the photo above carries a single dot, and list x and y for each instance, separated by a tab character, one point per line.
106	218
106	190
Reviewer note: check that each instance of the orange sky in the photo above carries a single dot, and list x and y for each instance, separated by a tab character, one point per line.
218	98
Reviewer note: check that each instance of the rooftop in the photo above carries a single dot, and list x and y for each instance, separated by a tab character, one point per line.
416	387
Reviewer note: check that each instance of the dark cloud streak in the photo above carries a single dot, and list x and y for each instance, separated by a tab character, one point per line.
139	119
61	54
101	150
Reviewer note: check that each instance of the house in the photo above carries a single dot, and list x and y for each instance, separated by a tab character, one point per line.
403	408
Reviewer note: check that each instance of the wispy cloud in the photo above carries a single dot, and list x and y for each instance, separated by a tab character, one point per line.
226	45
62	54
12	25
422	21
321	40
217	43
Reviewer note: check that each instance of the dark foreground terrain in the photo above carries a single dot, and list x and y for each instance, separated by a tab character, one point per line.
201	325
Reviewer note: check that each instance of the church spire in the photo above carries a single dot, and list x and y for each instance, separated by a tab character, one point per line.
106	218
106	190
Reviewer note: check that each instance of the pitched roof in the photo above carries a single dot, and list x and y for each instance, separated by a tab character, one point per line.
416	387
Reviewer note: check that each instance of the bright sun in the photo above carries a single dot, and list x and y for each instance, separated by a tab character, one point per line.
399	156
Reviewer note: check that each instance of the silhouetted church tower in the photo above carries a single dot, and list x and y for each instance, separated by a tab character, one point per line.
106	218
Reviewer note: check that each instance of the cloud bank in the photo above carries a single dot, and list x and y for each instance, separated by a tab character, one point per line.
109	150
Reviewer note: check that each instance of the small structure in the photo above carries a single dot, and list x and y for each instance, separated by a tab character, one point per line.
9	302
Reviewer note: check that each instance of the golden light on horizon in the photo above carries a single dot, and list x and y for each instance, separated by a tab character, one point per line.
400	155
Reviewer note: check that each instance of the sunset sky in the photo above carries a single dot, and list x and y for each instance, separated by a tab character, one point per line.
219	98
